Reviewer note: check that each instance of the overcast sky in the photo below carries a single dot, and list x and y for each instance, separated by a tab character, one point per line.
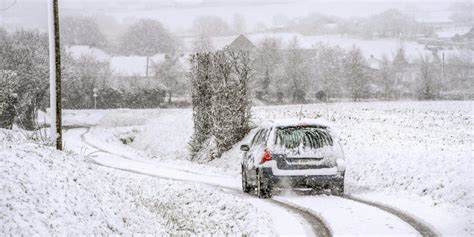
179	14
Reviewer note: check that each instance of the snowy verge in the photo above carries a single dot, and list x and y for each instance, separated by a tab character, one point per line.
420	150
47	192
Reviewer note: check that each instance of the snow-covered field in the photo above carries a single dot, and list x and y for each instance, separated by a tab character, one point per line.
397	152
414	156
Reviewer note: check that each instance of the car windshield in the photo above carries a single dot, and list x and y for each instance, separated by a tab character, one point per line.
308	137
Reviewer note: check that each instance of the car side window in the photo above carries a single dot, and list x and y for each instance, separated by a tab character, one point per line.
255	138
260	137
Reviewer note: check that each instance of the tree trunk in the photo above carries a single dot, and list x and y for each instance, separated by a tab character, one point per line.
7	116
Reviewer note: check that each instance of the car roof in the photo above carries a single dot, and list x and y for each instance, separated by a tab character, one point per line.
295	122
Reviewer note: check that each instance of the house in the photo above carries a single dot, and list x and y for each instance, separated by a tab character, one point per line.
241	43
137	71
78	51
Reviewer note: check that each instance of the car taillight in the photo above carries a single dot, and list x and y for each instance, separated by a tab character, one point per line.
267	156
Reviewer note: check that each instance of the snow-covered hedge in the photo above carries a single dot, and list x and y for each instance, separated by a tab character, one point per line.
221	104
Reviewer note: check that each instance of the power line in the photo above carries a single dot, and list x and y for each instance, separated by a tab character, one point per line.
8	7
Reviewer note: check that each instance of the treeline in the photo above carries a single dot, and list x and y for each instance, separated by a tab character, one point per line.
391	24
24	82
290	74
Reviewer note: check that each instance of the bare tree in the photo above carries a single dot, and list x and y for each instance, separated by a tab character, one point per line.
82	31
356	76
80	77
171	74
387	79
268	57
147	37
428	79
24	57
297	71
203	43
329	70
459	73
210	26
239	24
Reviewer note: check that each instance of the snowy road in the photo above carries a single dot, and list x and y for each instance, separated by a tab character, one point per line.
294	214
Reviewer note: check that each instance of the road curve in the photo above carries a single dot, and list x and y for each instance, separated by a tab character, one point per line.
424	229
315	222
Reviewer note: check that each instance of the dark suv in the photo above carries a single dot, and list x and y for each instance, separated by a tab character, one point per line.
293	154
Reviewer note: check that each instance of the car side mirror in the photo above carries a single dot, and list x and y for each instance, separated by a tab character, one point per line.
244	148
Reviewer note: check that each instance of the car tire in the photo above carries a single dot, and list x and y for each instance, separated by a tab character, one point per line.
337	188
245	186
264	189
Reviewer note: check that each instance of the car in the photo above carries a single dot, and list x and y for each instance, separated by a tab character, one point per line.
304	153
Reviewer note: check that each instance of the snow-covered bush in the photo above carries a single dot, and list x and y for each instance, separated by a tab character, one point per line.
23	62
8	98
221	107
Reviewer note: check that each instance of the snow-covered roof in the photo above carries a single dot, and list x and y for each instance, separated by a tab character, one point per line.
255	39
128	66
241	43
78	51
451	31
133	65
374	63
295	122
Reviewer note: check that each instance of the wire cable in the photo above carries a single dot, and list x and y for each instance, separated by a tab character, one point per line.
8	7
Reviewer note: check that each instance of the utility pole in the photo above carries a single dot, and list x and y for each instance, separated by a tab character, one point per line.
55	73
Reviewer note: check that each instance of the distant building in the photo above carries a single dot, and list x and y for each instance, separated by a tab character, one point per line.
241	43
136	71
78	51
469	36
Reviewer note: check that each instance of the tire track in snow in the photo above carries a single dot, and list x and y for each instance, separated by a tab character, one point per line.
424	229
316	223
84	140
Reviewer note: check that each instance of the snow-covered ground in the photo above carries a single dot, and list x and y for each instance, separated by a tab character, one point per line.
46	192
413	156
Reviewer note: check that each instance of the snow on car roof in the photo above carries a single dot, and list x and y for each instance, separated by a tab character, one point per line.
295	122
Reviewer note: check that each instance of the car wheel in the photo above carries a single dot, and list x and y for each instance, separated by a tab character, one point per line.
264	189
338	188
245	187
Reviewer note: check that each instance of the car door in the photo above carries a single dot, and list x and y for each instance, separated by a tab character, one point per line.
254	154
247	160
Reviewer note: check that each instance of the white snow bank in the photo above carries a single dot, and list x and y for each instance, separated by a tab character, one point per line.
47	192
104	118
